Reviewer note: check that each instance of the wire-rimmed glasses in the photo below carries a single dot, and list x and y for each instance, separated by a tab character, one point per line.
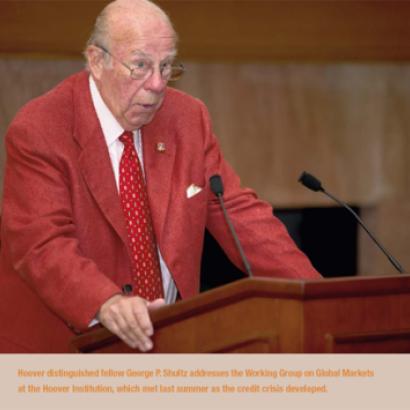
144	68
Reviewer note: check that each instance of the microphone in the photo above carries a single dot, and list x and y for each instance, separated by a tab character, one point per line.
218	189
312	183
127	289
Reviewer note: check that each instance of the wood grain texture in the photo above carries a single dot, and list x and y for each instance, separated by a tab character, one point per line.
222	30
281	316
335	120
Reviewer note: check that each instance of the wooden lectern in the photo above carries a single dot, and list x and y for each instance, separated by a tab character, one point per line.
343	315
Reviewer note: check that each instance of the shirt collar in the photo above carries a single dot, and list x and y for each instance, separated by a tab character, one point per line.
111	129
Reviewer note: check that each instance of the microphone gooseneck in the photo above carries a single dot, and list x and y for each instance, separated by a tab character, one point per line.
218	189
312	183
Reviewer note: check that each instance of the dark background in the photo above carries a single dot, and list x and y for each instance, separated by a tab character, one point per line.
327	235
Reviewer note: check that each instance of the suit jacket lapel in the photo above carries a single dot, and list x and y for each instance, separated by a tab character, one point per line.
94	159
159	155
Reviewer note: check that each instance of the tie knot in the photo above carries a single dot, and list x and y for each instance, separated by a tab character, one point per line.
127	138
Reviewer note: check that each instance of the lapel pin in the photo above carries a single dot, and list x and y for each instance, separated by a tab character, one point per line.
161	146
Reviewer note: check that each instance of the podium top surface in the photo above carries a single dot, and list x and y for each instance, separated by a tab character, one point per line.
250	288
293	289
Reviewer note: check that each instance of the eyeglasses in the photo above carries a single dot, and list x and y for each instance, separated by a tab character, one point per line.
144	68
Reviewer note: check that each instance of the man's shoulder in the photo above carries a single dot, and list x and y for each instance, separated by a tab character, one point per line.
55	104
177	100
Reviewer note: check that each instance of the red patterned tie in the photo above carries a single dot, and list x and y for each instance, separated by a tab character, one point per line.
146	273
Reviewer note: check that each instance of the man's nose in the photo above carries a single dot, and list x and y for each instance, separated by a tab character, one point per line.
155	82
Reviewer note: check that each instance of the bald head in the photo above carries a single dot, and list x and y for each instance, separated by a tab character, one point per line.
122	18
130	56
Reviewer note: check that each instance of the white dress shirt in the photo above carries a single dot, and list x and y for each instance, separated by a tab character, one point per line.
112	131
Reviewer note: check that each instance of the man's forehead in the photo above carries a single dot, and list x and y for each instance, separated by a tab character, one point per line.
160	39
144	33
164	44
171	52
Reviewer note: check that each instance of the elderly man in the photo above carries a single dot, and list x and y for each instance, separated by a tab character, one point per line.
106	195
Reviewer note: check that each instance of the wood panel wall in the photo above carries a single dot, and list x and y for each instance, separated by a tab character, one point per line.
291	85
224	30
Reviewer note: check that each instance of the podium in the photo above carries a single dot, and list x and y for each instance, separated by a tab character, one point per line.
261	315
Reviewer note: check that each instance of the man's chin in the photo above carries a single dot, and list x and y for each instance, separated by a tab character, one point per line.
138	121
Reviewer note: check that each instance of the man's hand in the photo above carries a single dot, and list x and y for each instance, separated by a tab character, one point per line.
128	318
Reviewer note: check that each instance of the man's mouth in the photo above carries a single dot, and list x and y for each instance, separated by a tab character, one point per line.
147	106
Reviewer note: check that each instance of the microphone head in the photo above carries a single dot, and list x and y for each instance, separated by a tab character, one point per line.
216	185
311	182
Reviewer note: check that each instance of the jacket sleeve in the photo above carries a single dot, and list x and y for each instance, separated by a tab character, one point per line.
40	230
265	240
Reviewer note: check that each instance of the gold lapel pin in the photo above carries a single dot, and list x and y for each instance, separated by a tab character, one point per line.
161	146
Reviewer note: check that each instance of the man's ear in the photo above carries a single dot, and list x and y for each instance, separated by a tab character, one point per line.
95	60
